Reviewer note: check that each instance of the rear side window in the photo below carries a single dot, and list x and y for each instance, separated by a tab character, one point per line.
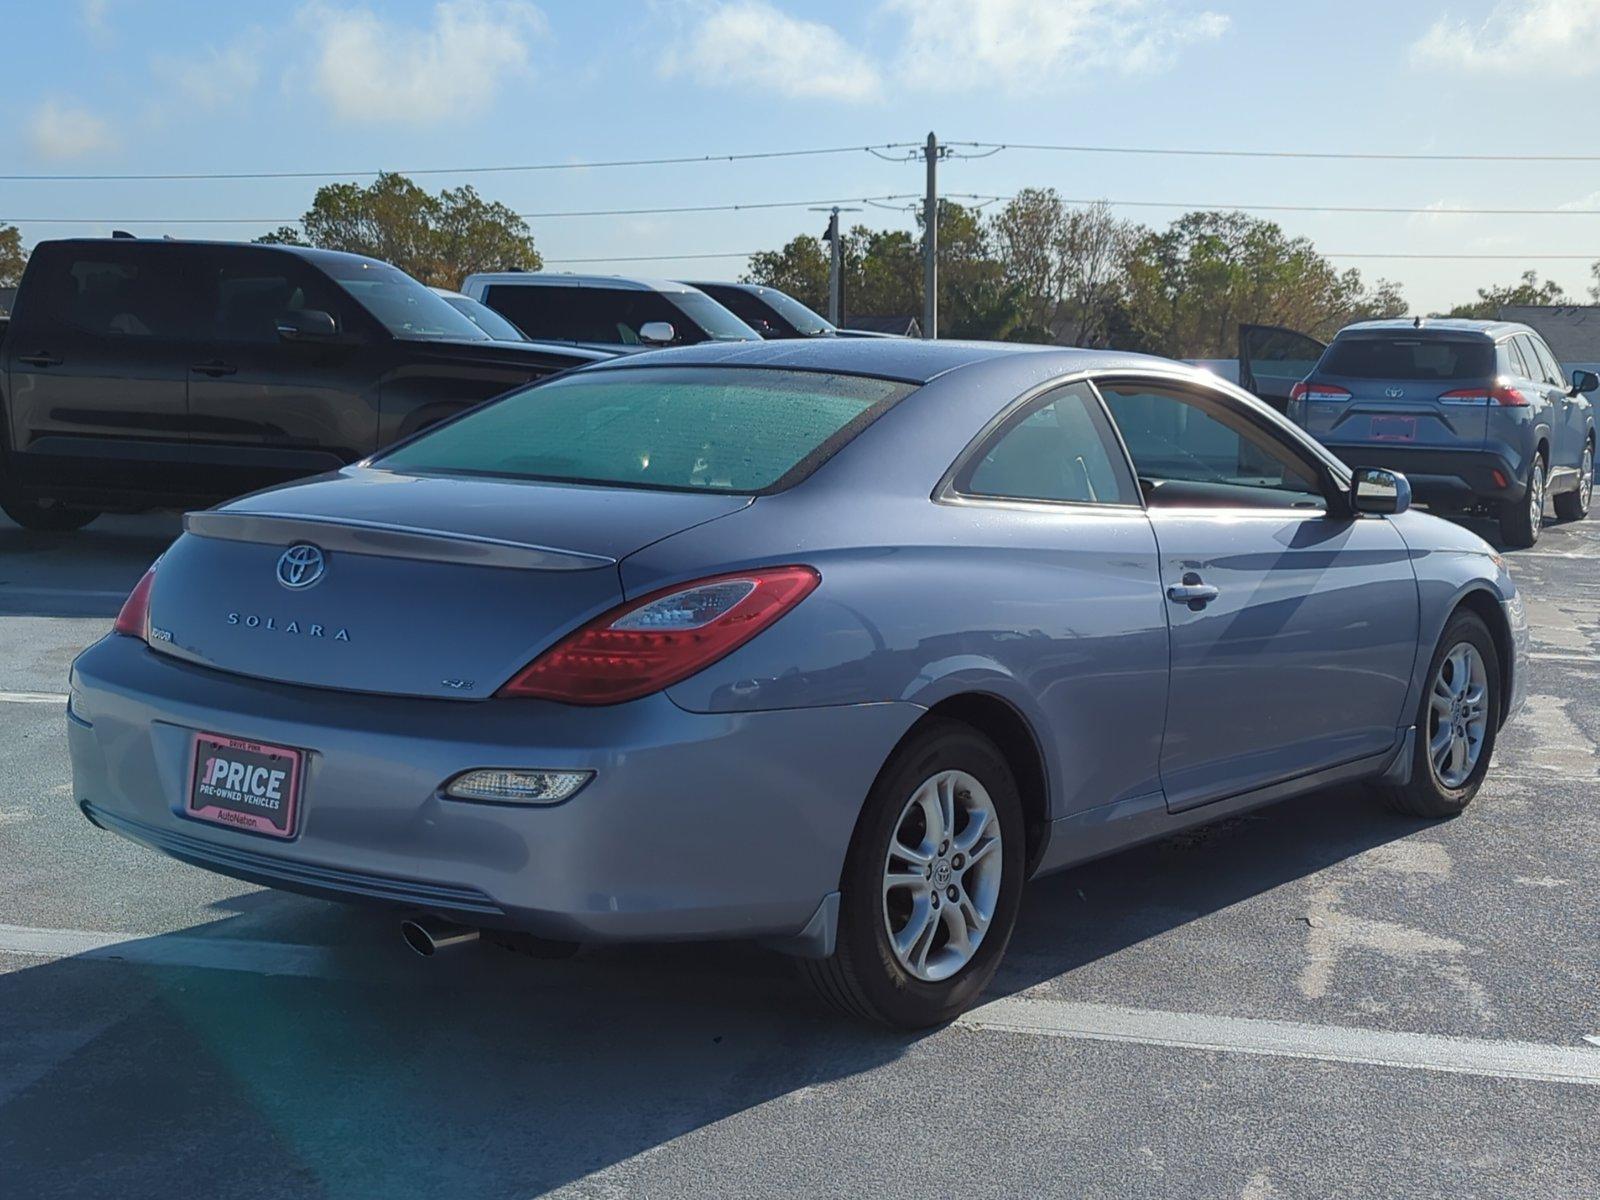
135	294
686	428
1409	358
1550	369
1058	449
583	314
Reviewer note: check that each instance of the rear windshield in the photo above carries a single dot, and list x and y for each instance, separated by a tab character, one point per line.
689	428
1408	358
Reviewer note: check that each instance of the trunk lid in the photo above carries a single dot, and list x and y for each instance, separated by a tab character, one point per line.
417	585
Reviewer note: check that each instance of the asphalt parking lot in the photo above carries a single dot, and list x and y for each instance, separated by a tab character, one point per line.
1321	999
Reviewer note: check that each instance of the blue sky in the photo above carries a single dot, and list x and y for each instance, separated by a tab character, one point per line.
131	86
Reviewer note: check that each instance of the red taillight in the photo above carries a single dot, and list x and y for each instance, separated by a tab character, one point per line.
667	636
1323	393
1501	393
134	619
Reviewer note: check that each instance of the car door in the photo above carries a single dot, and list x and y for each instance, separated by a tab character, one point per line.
267	404
98	354
1569	413
1272	359
1293	625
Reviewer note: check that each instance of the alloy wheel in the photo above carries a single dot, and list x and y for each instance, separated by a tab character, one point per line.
1536	497
941	875
1458	715
1586	478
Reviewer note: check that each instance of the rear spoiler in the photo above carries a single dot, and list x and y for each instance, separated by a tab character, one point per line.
387	541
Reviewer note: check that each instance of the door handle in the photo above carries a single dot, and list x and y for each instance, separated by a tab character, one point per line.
214	368
42	359
1193	592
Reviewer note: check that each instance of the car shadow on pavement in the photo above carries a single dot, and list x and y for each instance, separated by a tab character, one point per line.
486	1074
83	574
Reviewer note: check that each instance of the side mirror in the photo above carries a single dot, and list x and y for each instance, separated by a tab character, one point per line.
306	323
657	333
1584	382
1379	492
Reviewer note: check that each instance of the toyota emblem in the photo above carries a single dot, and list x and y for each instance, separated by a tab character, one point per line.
1395	393
300	566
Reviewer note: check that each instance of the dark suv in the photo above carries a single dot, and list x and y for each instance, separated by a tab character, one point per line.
142	374
1473	412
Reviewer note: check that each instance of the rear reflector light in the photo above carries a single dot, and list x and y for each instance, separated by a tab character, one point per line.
656	641
1500	479
516	786
134	619
1319	393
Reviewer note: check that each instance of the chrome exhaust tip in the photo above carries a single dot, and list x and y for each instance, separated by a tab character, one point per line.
429	935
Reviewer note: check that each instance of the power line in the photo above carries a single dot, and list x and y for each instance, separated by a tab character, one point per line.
881	202
678	160
1338	156
588	212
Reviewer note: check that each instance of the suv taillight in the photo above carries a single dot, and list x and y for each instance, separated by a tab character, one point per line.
663	638
1502	394
1319	393
134	618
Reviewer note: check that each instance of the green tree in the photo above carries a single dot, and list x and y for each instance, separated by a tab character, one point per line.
437	238
800	270
1069	266
1527	290
1192	285
12	256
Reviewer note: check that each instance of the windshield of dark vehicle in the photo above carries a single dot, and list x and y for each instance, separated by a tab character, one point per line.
485	318
406	308
698	428
1408	358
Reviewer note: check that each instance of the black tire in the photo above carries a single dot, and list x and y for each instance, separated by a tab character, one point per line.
46	516
863	977
1522	520
1426	795
1574	505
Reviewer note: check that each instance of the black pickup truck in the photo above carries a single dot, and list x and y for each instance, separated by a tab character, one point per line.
143	374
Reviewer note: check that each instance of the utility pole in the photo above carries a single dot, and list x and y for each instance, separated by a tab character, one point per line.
836	266
930	243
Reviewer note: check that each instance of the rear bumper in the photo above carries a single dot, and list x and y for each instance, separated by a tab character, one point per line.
694	826
1443	474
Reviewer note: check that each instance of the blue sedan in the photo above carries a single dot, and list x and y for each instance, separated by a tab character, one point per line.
830	644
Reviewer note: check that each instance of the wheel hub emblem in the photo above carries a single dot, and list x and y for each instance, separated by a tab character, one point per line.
941	873
301	565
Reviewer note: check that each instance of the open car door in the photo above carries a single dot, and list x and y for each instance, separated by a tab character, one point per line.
1273	359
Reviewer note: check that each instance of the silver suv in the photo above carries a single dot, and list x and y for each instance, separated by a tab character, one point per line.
1475	413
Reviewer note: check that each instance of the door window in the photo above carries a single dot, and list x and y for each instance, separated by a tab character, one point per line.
132	294
1057	449
250	290
1189	450
610	316
1278	358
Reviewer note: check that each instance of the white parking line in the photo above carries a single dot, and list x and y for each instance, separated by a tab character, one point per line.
1552	656
33	697
1540	1062
1536	1061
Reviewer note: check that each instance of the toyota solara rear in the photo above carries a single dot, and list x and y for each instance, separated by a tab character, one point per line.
438	680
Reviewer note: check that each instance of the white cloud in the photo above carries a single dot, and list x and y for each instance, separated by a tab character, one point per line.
1554	33
1042	45
95	17
752	43
371	68
61	130
214	76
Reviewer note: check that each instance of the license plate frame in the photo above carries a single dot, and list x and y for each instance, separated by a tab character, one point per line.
1394	429
267	782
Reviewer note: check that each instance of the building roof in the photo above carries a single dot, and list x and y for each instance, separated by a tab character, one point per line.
1572	330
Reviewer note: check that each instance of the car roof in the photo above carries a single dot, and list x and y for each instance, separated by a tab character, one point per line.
906	359
632	283
1437	326
313	253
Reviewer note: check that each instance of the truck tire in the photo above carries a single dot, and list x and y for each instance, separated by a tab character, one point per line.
46	516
